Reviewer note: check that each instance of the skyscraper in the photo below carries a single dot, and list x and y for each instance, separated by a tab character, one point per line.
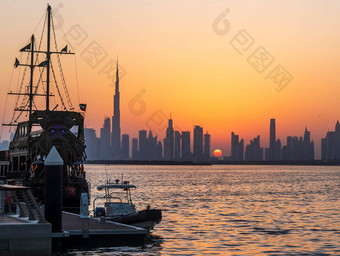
159	151
116	143
142	151
330	146
91	142
237	148
125	146
177	145
198	143
134	148
207	142
169	142
308	146
186	154
272	138
151	148
253	151
105	139
273	153
293	151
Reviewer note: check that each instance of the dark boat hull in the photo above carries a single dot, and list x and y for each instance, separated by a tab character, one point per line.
145	219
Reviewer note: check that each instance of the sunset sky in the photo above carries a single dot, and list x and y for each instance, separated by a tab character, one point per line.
174	59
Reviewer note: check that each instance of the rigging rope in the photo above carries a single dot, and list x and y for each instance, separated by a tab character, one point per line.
20	88
37	57
45	14
61	70
75	64
56	84
17	87
16	120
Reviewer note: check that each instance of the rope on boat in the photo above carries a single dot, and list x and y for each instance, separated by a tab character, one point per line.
56	84
75	65
61	69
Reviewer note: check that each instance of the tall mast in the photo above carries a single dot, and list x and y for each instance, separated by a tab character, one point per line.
48	54
31	80
45	64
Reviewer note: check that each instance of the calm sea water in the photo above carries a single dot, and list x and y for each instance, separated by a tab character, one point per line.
233	210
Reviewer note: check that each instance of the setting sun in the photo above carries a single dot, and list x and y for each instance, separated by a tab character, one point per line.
217	153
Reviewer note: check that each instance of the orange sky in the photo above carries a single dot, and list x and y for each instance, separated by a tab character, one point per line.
170	51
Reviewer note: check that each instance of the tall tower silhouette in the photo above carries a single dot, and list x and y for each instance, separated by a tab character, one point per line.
169	141
115	138
272	139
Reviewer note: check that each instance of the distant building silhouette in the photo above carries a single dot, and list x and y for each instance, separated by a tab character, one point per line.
186	153
148	147
237	148
293	151
135	149
177	145
105	140
308	146
143	145
254	152
169	142
151	148
116	142
91	142
298	149
198	143
330	146
125	146
273	153
159	151
207	145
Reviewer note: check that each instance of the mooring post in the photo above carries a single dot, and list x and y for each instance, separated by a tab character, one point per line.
54	189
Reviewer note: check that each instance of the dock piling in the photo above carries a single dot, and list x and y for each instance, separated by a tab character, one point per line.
54	189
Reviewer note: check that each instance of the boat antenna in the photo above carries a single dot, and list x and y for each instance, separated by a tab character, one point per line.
107	178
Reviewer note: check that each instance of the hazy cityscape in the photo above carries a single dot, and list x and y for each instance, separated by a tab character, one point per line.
182	146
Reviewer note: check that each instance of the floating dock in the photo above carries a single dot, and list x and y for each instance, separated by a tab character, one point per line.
92	232
26	233
24	230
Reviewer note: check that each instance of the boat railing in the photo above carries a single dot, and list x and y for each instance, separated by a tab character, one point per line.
19	200
106	198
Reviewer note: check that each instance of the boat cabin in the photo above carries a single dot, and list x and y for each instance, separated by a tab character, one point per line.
117	200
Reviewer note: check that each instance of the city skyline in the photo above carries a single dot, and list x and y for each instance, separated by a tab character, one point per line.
194	146
182	66
111	145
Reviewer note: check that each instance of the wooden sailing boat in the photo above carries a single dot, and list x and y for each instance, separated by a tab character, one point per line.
46	127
